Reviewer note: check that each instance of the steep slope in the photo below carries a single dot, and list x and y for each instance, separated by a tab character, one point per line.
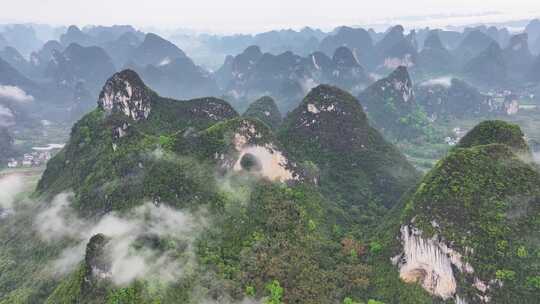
489	67
41	58
434	58
348	73
75	35
10	76
357	168
287	76
155	50
391	106
395	49
265	109
357	40
179	78
472	45
105	162
15	59
533	31
90	65
468	229
265	228
517	56
496	131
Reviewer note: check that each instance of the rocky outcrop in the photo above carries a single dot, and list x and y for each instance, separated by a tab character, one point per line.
253	150
97	269
125	93
429	262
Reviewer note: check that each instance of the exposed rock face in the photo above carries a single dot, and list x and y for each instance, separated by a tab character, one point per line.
270	161
449	243
95	259
429	262
125	93
97	268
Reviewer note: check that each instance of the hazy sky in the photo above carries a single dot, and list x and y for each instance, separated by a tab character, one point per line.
257	15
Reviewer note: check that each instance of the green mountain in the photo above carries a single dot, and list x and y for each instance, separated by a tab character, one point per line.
155	200
391	106
355	166
465	232
265	109
109	158
282	210
495	131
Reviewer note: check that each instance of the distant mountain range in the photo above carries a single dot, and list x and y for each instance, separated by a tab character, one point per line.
282	64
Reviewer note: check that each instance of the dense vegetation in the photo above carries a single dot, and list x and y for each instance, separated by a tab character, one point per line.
324	235
266	110
391	105
484	200
495	131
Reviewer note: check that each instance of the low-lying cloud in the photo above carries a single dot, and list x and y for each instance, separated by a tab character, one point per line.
441	81
14	93
129	255
10	187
